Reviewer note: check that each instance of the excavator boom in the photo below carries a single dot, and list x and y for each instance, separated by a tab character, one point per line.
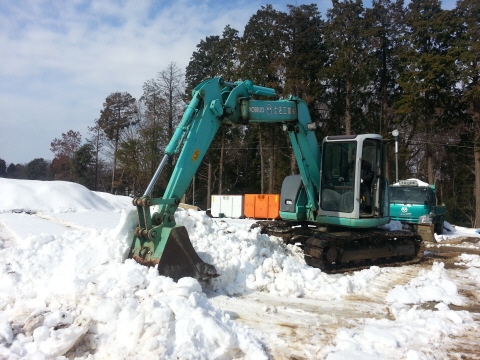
159	241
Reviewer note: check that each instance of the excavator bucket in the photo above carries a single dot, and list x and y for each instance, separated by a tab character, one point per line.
174	255
426	231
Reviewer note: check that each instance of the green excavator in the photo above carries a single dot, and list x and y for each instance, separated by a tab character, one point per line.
333	209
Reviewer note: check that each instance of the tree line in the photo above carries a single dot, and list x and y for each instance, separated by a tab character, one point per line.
412	68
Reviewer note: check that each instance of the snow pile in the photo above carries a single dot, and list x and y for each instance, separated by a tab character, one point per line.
472	262
456	232
58	292
74	293
469	260
392	226
433	285
54	196
75	290
118	202
249	261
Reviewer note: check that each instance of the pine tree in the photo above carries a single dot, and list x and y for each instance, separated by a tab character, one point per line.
468	50
37	169
260	48
385	27
201	65
427	80
346	75
11	170
84	166
118	114
261	55
3	168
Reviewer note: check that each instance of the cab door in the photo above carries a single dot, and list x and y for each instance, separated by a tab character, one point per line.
374	187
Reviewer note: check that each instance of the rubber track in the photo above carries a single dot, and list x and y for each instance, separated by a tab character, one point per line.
315	240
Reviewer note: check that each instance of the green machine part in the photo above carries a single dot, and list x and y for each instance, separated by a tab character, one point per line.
159	241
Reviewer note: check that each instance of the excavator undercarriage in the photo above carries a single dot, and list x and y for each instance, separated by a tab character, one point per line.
338	250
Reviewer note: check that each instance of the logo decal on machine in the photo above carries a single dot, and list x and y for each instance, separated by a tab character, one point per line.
404	211
269	109
195	155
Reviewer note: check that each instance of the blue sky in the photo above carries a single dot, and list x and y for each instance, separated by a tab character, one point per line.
60	59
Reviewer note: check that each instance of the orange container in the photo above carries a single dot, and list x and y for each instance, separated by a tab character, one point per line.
249	205
274	206
262	206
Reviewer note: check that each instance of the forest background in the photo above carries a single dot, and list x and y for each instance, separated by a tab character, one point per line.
412	68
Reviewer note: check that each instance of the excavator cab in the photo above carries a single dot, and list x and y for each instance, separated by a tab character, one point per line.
353	190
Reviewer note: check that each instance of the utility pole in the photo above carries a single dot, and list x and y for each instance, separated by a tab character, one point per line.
395	135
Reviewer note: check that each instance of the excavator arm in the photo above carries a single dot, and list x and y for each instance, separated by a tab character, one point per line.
159	241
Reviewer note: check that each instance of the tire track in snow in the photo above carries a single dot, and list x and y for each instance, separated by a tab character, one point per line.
7	236
22	225
66	224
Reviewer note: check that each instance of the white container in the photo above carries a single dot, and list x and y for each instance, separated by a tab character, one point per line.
230	206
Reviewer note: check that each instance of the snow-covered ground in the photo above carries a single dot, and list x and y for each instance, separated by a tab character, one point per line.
68	291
